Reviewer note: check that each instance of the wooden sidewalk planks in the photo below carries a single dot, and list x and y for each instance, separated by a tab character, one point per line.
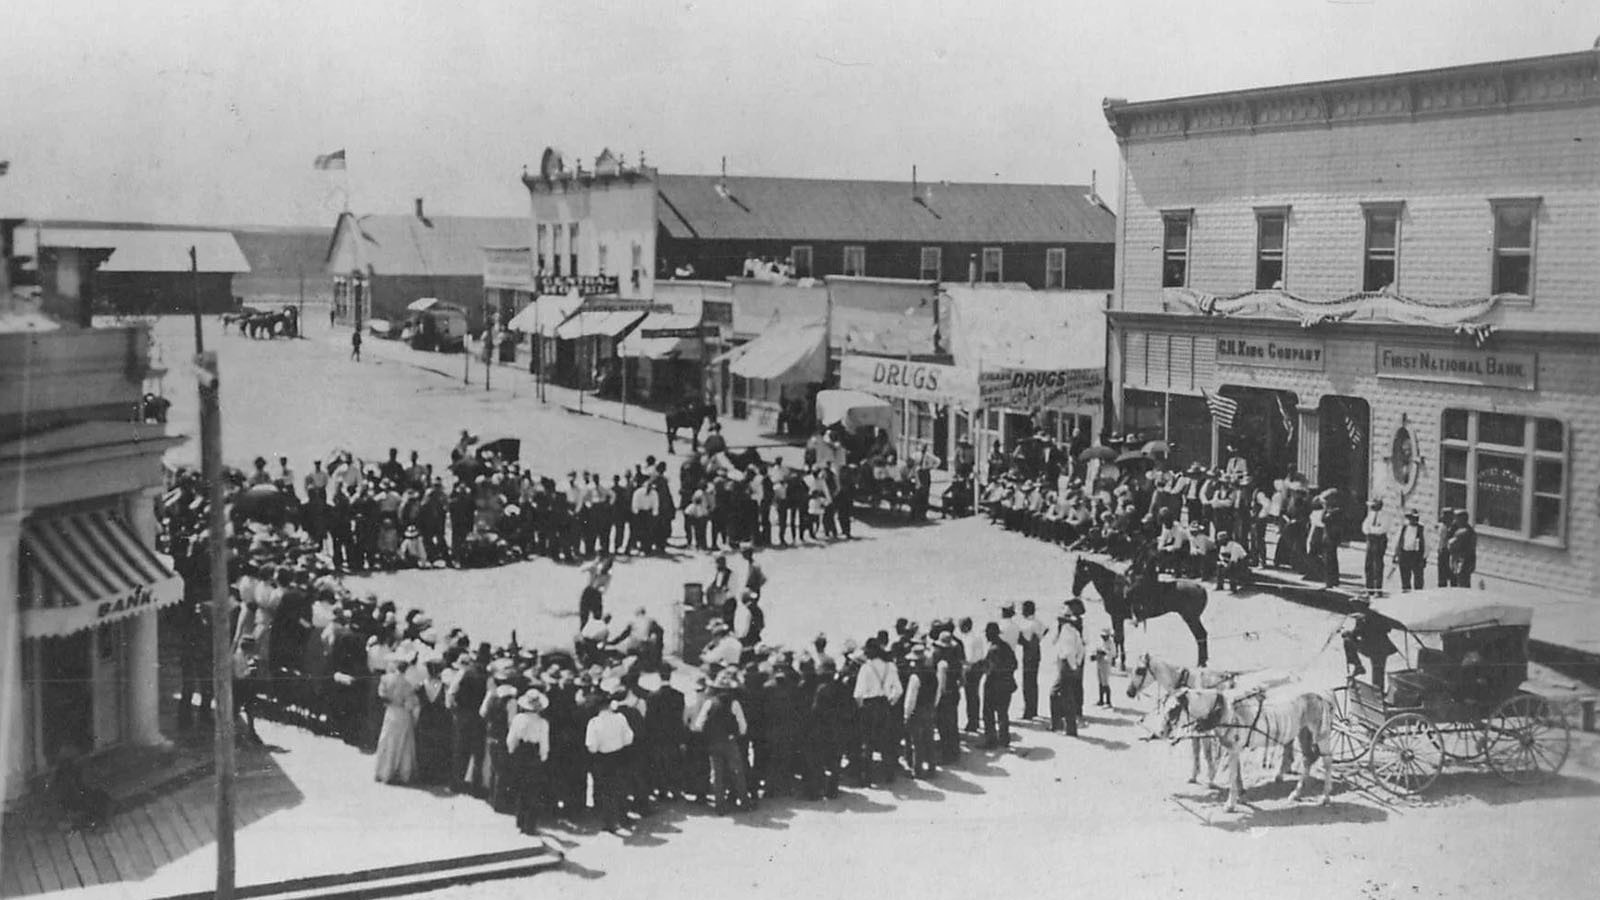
78	852
55	849
121	859
145	825
105	869
19	858
140	860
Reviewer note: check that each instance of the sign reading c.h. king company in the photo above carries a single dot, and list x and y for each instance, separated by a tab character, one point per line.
1270	353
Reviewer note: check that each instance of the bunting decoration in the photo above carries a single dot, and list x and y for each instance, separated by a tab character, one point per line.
1366	306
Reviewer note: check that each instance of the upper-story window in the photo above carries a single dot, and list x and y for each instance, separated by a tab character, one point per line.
572	246
1055	268
542	249
1175	248
800	260
1272	228
1381	258
993	264
1515	223
855	261
557	234
932	266
638	264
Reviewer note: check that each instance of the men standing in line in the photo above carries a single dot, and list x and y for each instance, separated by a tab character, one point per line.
721	725
948	665
1030	635
1000	682
878	690
976	648
1066	698
1410	549
645	506
1377	535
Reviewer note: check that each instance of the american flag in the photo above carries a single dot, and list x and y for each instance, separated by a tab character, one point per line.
1223	409
1353	430
1288	418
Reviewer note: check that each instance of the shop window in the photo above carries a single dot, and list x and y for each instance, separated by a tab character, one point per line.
1175	249
855	261
572	247
1271	229
800	260
1514	224
1055	268
1508	471
993	264
932	266
1382	249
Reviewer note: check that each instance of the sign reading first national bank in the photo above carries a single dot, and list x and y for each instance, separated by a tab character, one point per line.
1459	365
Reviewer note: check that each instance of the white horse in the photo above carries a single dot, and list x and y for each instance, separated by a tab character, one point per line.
1169	677
1256	718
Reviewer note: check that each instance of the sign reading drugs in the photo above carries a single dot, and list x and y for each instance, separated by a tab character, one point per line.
929	382
1061	389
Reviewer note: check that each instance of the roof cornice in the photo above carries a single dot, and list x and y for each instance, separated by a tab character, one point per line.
1561	80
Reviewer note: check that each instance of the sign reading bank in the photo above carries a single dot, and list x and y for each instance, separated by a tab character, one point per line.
1458	365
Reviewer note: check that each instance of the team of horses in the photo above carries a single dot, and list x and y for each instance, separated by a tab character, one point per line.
260	323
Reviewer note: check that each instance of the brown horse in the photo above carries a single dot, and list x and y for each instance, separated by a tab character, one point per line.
1140	597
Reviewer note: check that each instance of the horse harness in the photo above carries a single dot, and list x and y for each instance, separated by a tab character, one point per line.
1213	720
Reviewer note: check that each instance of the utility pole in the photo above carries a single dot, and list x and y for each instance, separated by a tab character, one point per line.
194	286
300	319
221	632
623	366
488	347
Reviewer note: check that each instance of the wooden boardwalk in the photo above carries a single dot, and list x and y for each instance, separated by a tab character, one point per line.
39	853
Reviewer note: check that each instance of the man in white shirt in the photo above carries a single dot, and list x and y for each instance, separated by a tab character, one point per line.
1066	698
877	690
645	505
1411	549
607	739
1010	628
724	649
1375	529
975	647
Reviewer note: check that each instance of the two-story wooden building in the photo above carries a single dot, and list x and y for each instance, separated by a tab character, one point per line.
640	225
1394	278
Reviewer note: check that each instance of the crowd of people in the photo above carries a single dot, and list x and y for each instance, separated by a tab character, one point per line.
1214	523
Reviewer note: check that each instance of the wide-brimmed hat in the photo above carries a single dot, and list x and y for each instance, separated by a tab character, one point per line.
726	680
532	700
718	627
1412	514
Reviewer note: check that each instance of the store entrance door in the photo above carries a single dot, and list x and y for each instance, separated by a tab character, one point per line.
1344	452
66	695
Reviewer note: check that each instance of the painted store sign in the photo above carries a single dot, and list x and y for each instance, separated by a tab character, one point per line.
1459	365
1274	353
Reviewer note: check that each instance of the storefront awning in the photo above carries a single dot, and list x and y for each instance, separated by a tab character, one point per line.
82	570
665	336
604	324
544	313
792	355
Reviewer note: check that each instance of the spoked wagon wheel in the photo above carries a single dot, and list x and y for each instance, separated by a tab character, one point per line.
1406	754
1350	738
1527	739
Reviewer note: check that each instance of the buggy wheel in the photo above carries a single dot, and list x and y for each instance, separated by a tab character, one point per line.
1526	739
1350	739
1406	754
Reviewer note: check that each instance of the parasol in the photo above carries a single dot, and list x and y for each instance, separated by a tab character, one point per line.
1099	451
1131	455
1157	447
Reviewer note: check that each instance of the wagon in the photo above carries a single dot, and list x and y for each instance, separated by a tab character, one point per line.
1462	700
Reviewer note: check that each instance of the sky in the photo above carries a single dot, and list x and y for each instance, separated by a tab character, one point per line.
211	111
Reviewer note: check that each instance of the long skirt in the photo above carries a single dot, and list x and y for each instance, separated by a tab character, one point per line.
528	790
396	762
434	728
500	780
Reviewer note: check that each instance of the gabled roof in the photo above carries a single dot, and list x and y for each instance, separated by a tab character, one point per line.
707	207
153	250
435	245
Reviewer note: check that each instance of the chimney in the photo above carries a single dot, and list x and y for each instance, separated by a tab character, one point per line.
419	210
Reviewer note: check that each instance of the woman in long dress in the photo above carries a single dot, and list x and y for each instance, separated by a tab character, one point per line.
433	727
497	758
397	741
528	744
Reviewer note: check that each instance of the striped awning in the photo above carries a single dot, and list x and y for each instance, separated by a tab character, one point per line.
80	570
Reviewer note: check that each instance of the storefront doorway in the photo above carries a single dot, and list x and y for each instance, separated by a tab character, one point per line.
65	675
1343	450
1264	431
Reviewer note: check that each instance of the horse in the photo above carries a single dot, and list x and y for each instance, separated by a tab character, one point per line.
690	416
1256	718
1170	677
1125	599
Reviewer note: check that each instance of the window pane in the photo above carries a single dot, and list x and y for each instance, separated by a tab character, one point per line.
1453	463
1548	434
1271	230
1546	517
1498	488
1379	275
1453	495
1174	273
1499	428
1513	226
1513	274
1455	424
1547	477
1381	228
1269	274
1177	233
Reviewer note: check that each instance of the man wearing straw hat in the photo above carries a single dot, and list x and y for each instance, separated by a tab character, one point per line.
721	724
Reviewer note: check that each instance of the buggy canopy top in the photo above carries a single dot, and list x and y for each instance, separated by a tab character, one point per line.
1451	609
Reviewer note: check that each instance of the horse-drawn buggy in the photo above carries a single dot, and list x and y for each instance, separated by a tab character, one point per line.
866	428
1462	699
255	322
